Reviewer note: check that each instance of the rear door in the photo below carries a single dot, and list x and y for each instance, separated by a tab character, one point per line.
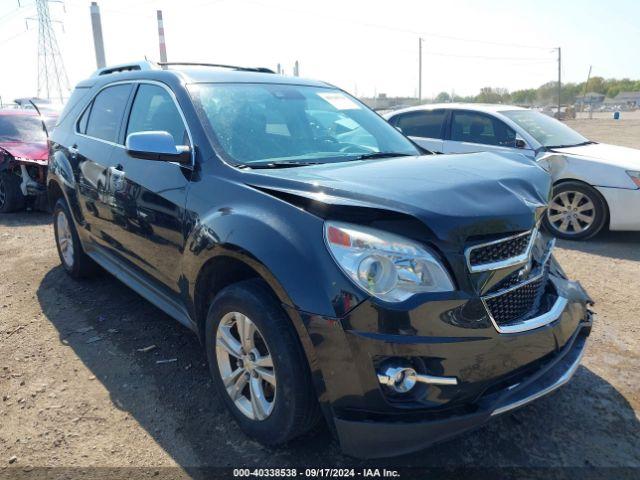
425	127
154	192
479	132
99	181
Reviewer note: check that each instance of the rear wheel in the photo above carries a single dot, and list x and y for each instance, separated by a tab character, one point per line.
258	364
72	256
576	211
11	197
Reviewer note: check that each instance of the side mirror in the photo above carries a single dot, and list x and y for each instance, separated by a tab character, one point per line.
520	143
157	146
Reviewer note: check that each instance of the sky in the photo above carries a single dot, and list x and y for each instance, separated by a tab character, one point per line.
365	47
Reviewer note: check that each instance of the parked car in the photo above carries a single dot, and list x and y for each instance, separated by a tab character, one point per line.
595	185
23	159
326	265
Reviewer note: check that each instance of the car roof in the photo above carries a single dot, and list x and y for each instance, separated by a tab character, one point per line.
477	107
193	73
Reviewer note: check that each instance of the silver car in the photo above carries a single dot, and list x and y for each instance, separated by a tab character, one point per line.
596	185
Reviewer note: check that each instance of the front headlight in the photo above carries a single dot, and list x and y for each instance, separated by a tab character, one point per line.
388	266
635	177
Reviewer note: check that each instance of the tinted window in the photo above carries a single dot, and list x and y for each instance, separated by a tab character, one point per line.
77	95
106	112
478	128
154	110
82	123
421	124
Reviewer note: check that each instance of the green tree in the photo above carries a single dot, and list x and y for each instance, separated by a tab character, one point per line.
443	97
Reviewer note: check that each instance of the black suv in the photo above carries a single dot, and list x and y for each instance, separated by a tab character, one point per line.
329	267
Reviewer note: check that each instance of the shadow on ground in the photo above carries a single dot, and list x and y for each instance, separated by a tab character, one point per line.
23	219
621	245
587	423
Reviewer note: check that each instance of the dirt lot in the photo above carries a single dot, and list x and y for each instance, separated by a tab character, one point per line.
77	392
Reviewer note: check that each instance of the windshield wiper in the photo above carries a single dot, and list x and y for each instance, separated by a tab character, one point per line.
373	155
588	142
281	164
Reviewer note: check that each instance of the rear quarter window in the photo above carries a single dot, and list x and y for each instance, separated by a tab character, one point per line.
79	93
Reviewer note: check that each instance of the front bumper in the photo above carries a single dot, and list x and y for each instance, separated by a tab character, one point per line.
447	337
624	205
374	439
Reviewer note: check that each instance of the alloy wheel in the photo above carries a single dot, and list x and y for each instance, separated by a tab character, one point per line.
65	238
246	366
571	212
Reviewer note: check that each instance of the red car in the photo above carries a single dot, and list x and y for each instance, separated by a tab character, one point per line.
23	159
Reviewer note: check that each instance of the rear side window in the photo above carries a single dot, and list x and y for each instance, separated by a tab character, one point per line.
77	95
154	110
106	112
421	124
474	127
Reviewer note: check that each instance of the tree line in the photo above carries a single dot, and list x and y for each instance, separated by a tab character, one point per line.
547	93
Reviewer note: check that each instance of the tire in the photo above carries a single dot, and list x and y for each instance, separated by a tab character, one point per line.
576	211
76	263
11	197
293	404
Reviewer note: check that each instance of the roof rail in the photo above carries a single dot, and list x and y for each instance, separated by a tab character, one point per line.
125	67
219	65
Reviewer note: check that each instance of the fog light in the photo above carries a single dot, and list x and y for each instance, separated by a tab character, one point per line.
401	379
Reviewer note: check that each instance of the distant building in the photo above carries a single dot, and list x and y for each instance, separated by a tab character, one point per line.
593	99
630	99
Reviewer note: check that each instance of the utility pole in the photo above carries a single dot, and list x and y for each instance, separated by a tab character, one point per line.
52	76
584	92
163	45
96	25
559	79
419	69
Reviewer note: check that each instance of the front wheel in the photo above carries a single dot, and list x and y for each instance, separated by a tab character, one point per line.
11	197
576	212
258	364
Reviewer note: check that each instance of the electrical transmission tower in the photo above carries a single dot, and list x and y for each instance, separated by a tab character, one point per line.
52	76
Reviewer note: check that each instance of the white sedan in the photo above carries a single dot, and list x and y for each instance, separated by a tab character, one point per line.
595	184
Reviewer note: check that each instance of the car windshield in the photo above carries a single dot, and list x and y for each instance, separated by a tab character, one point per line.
21	128
546	130
290	125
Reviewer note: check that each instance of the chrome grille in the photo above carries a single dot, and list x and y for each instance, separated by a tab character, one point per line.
500	253
516	304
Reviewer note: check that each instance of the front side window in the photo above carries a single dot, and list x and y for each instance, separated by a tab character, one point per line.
546	130
21	128
474	127
106	112
154	110
294	124
427	124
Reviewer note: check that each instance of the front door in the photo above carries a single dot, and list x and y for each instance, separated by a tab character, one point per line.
479	132
154	192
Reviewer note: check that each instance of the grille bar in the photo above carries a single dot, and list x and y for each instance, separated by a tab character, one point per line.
501	253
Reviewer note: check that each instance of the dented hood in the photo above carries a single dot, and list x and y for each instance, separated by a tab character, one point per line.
455	196
625	157
35	152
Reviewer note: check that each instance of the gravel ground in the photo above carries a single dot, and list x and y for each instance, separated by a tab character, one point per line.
76	390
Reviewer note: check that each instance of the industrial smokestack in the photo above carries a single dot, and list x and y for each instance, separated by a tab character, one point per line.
96	25
163	47
296	69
